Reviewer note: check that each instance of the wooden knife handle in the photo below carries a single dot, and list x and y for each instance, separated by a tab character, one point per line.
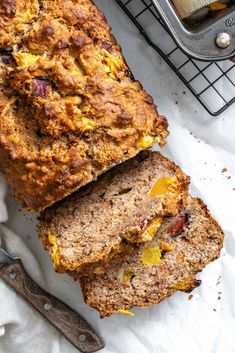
65	319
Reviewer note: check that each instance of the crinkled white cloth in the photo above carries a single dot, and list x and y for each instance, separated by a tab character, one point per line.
203	324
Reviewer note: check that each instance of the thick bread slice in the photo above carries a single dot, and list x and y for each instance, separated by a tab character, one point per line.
70	108
146	274
126	203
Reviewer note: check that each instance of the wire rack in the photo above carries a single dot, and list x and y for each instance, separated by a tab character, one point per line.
213	84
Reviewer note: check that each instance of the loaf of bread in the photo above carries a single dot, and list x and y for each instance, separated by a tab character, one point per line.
128	203
69	106
146	274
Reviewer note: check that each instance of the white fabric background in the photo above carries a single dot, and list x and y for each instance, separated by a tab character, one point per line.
202	145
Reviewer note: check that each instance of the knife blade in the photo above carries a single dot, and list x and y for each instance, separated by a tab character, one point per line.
71	324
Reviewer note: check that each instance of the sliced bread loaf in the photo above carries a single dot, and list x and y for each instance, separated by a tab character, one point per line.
128	203
146	274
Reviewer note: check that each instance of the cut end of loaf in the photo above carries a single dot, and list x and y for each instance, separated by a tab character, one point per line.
127	204
146	274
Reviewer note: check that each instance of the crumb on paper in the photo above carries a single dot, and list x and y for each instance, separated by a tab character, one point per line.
196	138
225	170
190	297
214	309
218	280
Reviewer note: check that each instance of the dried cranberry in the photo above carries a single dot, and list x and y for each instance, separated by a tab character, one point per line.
6	52
39	88
178	224
79	41
7	60
106	45
48	31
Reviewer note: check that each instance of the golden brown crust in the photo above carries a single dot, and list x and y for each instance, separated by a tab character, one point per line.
69	106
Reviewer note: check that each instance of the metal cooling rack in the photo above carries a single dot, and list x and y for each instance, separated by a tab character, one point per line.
213	84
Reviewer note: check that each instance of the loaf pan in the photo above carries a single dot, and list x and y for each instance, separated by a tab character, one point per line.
201	42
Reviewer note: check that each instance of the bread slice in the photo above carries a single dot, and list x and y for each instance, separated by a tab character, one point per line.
69	106
146	274
128	203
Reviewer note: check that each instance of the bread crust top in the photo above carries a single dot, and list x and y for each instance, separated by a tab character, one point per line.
70	108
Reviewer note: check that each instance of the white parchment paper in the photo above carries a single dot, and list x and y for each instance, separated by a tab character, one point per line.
203	146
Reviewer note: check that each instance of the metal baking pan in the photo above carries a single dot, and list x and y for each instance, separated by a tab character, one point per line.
212	40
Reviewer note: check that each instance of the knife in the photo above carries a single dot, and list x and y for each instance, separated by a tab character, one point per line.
71	324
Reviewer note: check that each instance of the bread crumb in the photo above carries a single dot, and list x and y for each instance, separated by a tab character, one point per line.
214	309
190	297
224	170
